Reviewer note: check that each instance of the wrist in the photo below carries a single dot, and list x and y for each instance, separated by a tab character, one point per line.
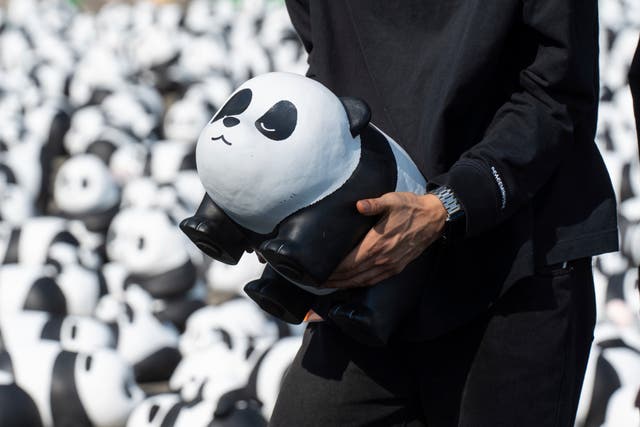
436	210
455	223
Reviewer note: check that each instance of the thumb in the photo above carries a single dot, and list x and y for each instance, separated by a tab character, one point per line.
371	207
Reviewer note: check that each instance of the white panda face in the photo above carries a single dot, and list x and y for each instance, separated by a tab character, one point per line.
84	334
127	162
106	387
145	241
153	411
84	185
237	324
281	142
184	120
196	375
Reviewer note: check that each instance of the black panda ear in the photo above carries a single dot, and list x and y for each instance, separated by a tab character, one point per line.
103	149
358	113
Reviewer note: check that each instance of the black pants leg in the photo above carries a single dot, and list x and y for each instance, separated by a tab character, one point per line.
335	381
521	364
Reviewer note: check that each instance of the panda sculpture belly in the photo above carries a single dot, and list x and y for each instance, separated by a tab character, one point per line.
284	162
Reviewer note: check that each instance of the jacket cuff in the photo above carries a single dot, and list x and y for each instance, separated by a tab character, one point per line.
477	190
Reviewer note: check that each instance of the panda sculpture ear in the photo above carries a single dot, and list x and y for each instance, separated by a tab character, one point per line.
358	113
103	149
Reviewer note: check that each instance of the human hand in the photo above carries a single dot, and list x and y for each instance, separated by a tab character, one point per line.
410	223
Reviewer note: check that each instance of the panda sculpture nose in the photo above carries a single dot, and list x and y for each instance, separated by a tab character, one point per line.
230	121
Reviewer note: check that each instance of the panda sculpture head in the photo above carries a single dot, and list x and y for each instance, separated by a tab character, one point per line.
279	143
140	239
74	333
84	185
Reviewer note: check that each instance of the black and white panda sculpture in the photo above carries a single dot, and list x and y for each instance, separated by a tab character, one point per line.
76	389
74	333
40	241
75	290
168	410
149	345
284	162
17	408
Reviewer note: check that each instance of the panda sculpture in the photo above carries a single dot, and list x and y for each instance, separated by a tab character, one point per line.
17	408
74	333
168	410
75	290
76	389
284	162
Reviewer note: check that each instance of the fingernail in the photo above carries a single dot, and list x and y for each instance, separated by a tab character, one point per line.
365	206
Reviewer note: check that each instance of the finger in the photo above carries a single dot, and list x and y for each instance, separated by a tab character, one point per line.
312	316
370	207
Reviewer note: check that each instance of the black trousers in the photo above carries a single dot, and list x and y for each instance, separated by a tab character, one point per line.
520	364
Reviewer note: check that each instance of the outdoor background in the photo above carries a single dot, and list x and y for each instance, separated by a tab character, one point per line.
101	103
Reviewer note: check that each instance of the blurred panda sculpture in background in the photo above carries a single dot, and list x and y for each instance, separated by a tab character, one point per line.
284	162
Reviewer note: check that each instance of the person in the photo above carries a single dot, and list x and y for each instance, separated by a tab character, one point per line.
496	103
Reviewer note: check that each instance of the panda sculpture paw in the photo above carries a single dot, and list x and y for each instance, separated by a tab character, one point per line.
357	321
199	230
282	300
282	255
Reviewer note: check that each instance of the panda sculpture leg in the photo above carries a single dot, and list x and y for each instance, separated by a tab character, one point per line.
372	314
279	297
214	233
368	315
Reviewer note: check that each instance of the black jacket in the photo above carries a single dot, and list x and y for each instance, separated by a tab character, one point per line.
495	99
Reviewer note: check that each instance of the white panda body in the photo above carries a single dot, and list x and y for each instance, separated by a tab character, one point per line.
107	390
409	177
272	370
622	410
32	367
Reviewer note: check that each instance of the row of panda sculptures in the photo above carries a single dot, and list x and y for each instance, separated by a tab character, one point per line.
107	315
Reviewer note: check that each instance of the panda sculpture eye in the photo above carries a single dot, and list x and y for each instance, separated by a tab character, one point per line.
279	122
141	243
153	411
235	105
87	363
85	182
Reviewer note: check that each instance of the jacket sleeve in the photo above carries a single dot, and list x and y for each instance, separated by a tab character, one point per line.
534	129
299	14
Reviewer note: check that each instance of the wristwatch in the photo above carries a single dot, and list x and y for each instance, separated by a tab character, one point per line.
455	224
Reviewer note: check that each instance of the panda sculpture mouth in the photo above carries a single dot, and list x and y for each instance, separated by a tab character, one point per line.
222	138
